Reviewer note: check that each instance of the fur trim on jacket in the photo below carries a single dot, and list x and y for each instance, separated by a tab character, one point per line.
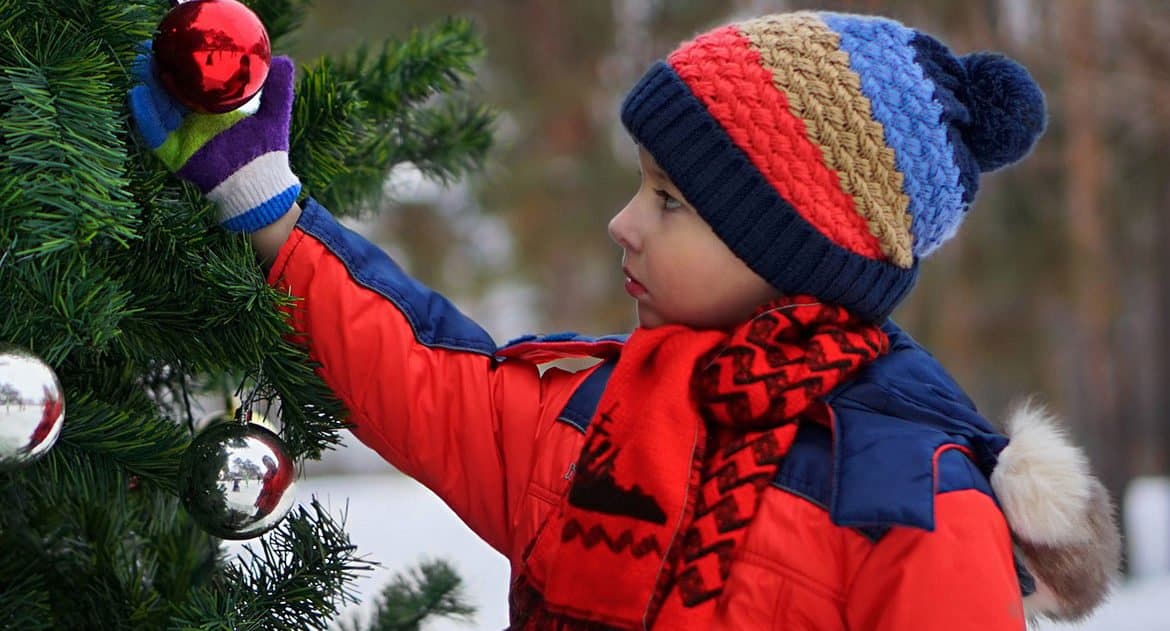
1060	515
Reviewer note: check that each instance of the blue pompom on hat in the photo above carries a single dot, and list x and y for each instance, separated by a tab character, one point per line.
1007	110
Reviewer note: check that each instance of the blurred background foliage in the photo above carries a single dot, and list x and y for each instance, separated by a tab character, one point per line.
1058	285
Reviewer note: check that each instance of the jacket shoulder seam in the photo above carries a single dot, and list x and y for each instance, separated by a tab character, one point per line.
344	255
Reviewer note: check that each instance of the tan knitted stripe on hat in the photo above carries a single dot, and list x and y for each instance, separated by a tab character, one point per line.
812	71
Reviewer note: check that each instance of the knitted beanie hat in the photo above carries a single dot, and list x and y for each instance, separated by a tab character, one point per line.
829	151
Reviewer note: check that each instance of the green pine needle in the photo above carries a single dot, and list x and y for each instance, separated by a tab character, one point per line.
430	590
360	116
299	578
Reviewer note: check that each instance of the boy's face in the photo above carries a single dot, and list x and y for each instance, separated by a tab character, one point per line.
676	269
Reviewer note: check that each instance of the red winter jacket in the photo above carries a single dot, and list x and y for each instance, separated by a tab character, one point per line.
885	524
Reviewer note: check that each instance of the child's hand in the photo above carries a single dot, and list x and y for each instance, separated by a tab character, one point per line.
238	161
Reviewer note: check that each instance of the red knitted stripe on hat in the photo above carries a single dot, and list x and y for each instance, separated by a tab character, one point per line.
727	75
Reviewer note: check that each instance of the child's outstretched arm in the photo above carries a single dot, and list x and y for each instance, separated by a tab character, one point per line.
420	380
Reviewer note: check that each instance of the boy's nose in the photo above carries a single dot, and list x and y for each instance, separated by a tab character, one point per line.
621	229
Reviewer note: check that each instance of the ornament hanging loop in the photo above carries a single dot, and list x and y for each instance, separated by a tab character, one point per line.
239	408
253	391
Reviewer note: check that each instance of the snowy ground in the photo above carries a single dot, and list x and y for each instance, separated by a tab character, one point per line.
397	522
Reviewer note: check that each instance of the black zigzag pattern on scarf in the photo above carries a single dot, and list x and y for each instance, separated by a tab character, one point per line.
596	534
765	454
727	512
793	357
834	353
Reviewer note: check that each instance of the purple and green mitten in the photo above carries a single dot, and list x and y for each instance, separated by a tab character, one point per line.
239	161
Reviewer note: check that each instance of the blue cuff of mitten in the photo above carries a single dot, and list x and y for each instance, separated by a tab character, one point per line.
257	194
267	212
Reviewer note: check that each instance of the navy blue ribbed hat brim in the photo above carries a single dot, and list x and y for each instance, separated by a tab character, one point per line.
745	211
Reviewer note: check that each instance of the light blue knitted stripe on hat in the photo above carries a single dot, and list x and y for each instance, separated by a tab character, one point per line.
902	98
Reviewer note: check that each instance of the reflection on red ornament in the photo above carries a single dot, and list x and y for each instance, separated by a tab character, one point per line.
212	55
51	409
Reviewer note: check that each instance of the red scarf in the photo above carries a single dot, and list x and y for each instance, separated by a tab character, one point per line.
689	432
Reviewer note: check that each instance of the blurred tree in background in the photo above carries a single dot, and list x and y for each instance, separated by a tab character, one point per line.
1057	285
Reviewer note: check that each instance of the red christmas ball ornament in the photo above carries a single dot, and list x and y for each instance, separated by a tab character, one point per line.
212	55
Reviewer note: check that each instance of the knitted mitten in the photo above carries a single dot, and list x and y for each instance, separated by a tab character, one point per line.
239	161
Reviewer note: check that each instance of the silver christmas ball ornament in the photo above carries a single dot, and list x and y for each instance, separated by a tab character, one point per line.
236	479
32	407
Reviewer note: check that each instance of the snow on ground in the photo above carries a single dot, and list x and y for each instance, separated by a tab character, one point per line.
398	522
1140	606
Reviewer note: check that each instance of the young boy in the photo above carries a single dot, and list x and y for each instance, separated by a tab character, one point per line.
766	450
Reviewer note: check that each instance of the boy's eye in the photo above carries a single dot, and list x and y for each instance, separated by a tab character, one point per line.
668	202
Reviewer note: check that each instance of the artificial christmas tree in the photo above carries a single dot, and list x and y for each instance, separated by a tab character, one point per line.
118	278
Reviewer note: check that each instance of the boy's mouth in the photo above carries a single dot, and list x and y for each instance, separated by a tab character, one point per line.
633	287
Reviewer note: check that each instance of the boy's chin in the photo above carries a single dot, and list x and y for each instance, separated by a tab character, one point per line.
648	318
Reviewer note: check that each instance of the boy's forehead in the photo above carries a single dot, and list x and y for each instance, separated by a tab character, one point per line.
649	164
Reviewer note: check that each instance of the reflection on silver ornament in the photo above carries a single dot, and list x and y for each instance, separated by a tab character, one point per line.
236	480
32	407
